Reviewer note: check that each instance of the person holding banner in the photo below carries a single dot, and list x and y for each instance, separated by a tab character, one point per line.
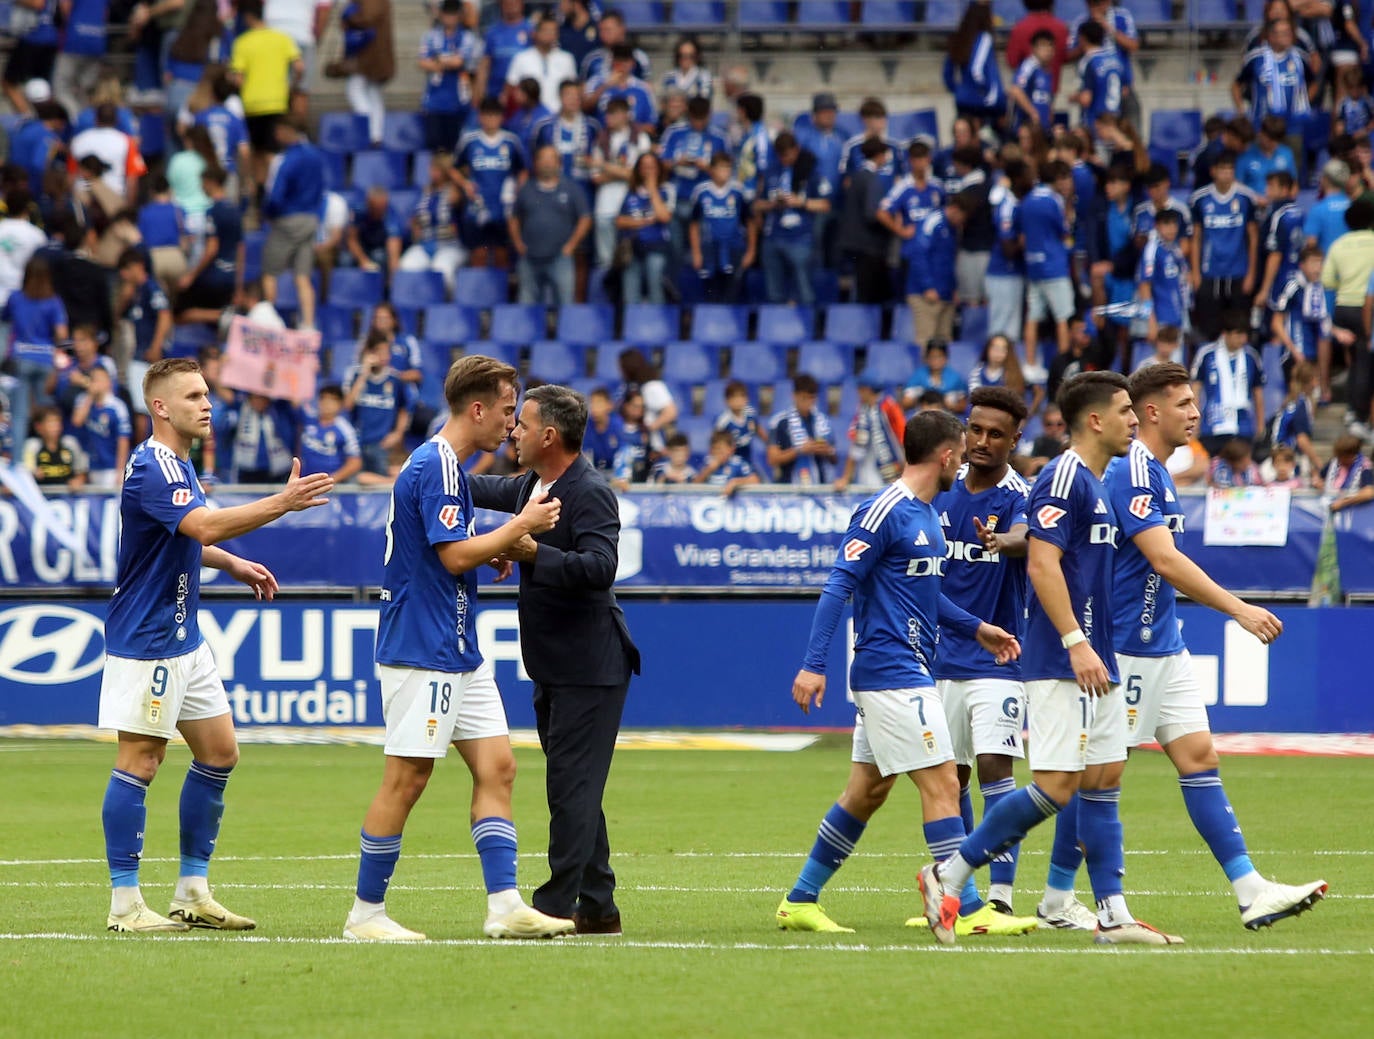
160	676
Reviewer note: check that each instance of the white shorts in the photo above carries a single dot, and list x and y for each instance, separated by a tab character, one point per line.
425	711
1163	699
1070	730
1050	298
900	730
150	697
984	716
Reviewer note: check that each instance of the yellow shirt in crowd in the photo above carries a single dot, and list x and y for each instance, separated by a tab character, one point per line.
263	58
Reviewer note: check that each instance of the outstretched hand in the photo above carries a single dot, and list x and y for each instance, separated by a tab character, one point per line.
305	492
1000	643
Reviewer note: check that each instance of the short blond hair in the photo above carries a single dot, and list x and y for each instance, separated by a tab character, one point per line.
476	377
164	369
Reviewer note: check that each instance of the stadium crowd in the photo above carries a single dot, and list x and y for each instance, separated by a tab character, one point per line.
549	163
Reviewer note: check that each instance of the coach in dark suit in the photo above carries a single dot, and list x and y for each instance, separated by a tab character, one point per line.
575	645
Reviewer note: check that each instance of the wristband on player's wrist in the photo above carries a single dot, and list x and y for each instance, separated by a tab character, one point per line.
1073	638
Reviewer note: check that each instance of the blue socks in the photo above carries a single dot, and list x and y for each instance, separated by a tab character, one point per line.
1215	821
1007	823
495	840
839	832
375	866
943	837
1099	830
1065	854
202	808
1002	871
966	809
124	815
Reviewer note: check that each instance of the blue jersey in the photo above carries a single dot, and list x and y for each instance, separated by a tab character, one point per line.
891	562
325	447
600	445
789	223
1070	509
152	613
977	83
491	163
374	415
911	203
1306	320
503	42
888	172
933	258
722	214
160	224
653	237
596	66
1120	20
525	123
33	325
224	223
86	23
743	428
1214	365
1357	113
427	613
43	22
1103	76
1225	224
1277	85
1283	234
450	92
1143	497
1006	219
684	142
1164	268
1293	421
1087	205
1045	227
638	95
106	422
1035	80
988	585
1325	221
575	141
148	304
1253	166
754	160
829	149
734	468
228	132
1144	218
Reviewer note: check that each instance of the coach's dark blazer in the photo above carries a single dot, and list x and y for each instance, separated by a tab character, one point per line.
572	631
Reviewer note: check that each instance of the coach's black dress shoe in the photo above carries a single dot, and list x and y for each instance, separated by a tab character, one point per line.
597	924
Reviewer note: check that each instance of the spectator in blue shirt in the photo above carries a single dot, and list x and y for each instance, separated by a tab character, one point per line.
35	50
530	113
83	47
577	31
101	422
601	440
688	149
1162	281
1225	244
328	441
209	287
375	234
931	278
295	193
1032	88
37	321
828	145
227	129
1045	240
1119	39
793	193
1302	321
688	74
721	235
380	405
1293	426
163	231
970	71
622	82
449	56
1267	155
937	375
755	157
645	219
874	115
1325	221
510	35
1102	80
1228	382
723	468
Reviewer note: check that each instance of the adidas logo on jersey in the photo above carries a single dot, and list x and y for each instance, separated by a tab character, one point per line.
921	538
1100	509
1169	495
944	519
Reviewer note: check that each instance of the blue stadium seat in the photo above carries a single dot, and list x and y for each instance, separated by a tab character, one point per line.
719	323
419	168
823	13
1217	15
1010	11
756	15
354	287
336	321
974	325
417	289
847	407
650	324
784	325
607	364
963	355
698	14
335	179
189	340
507	352
853	323
586	324
1174	130
921	122
1274	384
452	323
713	400
342	133
480	287
782	400
435	360
828	362
643	15
403	132
377	167
891	362
402	204
585	385
903	331
691	362
152	133
553	360
1070	12
698	429
825	283
942	14
520	323
894	16
756	363
288	301
252	255
1151	14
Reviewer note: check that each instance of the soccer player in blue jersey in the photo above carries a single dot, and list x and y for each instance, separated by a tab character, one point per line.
1225	243
436	688
1163	699
1077	715
891	562
159	674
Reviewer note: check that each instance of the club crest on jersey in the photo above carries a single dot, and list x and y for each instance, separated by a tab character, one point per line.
181	496
991	524
1050	515
449	516
1140	506
854	549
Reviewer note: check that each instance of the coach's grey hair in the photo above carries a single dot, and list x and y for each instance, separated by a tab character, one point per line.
564	409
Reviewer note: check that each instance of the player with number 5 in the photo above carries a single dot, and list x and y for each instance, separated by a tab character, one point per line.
436	688
160	677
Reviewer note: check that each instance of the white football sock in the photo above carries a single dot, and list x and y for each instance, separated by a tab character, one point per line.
499	903
1248	887
192	889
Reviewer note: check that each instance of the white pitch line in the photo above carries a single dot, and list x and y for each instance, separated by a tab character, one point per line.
622	943
916	856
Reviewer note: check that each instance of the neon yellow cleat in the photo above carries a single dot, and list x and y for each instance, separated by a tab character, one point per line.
807	916
985	921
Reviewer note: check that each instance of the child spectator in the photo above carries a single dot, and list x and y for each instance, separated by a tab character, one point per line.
1280	469
1045	226
688	149
329	443
1233	466
932	278
433	227
37	321
873	113
907	204
618	147
998	365
601	441
263	434
1168	348
380	405
1355	114
659	409
802	447
631	462
406	358
1283	238
1162	280
54	458
1228	381
102	424
1292	427
875	439
491	163
1349	479
1225	245
720	234
723	468
1006	277
449	55
71	375
938	376
1032	88
740	420
1301	322
676	465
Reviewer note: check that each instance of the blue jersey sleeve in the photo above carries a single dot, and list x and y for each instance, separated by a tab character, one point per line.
1136	495
441	505
1051	506
859	553
165	493
956	618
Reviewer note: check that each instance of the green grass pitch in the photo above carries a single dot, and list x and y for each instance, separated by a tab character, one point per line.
705	844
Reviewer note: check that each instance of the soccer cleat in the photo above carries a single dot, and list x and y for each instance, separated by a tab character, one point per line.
142	920
1134	933
526	922
1278	901
378	928
206	912
807	916
987	920
941	910
1073	915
